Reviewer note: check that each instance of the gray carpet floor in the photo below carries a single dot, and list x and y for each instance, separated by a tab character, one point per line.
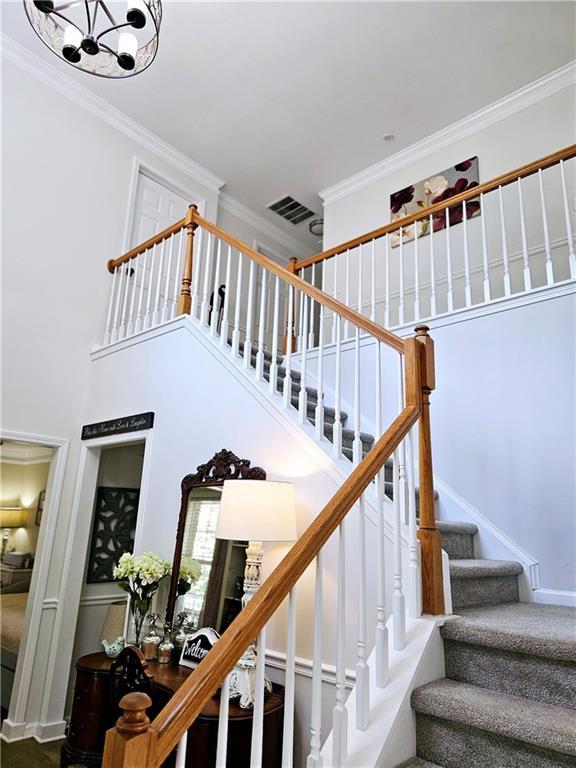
540	630
28	753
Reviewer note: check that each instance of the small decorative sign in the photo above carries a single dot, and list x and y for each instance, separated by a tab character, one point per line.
197	646
134	423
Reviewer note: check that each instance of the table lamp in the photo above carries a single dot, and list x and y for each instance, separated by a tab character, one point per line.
10	517
257	511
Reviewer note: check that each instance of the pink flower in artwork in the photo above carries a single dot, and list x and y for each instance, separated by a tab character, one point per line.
401	198
464	166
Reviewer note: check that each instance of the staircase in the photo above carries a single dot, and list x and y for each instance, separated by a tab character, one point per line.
509	696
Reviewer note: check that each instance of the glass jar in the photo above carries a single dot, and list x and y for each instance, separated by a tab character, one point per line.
166	647
152	640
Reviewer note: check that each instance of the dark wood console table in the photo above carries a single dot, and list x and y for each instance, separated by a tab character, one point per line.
93	713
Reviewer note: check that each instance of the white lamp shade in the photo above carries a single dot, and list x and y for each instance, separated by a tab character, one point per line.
257	510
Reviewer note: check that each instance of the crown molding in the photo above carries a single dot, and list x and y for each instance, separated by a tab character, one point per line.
262	225
516	101
57	79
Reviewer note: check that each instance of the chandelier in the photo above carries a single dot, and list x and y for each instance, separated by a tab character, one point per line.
87	35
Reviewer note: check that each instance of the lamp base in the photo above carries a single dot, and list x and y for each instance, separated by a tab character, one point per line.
242	682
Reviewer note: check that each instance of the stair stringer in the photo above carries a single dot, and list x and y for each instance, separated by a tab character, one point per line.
390	737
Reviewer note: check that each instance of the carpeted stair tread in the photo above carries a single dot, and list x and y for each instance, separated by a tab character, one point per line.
531	628
417	762
444	526
543	725
479	569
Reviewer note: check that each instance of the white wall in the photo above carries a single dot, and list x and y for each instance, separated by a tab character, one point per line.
503	414
21	483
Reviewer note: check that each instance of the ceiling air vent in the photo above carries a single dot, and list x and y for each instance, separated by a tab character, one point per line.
291	210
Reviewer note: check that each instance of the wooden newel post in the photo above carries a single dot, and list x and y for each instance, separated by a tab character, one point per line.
129	744
185	297
290	338
430	541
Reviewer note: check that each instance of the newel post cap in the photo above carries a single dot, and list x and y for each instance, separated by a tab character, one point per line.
421	330
134	720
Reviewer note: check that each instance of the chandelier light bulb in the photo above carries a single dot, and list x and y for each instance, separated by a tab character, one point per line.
72	43
127	48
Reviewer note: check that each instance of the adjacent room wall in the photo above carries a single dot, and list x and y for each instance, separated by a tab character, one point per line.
22	484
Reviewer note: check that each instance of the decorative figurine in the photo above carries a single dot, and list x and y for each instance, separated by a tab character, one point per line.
180	632
152	640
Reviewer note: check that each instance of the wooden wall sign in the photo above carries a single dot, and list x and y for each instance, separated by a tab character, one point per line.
134	423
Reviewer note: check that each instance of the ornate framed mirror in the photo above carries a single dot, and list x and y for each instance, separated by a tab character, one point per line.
215	597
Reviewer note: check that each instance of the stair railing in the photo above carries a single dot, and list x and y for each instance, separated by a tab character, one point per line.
265	308
509	236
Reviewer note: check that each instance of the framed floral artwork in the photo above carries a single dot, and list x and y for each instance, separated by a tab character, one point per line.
435	189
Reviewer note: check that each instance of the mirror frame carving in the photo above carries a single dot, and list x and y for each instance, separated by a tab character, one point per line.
224	465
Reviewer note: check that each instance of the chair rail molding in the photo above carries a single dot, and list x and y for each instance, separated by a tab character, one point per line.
533	92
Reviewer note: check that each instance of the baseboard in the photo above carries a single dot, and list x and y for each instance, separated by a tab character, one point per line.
555	597
493	543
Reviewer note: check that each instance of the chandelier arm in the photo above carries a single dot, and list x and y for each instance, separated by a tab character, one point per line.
67	20
96	6
107	12
111	29
67	5
110	50
87	7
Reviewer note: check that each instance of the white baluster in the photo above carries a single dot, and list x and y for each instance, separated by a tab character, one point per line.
227	292
547	249
311	319
526	270
416	274
507	284
132	317
205	305
126	268
156	315
401	286
319	411
373	283
398	604
215	291
387	278
357	442
568	221
138	324
113	291
381	639
337	426
273	383
340	713
164	314
484	250
360	279
301	299
287	390
222	739
288	727
181	751
147	320
314	758
258	712
467	284
261	327
362	669
450	293
303	395
236	331
432	271
249	317
335	293
347	291
414	578
197	267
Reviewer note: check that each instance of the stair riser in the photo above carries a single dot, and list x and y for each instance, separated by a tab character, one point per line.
467	593
519	674
458	545
453	745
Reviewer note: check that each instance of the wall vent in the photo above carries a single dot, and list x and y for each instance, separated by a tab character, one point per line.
291	210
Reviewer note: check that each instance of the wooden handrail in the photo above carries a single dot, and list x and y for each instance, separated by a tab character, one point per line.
189	700
154	240
387	337
425	213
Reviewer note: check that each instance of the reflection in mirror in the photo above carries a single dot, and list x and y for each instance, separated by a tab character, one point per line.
215	598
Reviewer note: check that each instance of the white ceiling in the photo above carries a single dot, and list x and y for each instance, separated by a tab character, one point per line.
290	98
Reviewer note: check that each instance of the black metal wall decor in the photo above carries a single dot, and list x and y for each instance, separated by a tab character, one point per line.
113	531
